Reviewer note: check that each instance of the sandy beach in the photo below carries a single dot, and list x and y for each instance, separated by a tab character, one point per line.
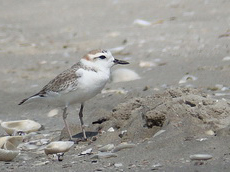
174	108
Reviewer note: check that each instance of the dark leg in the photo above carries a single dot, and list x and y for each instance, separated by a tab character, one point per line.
65	122
81	120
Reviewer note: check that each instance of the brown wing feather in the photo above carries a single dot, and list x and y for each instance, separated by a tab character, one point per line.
64	80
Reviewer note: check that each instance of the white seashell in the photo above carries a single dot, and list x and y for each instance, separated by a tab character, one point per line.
124	75
118	165
202	139
117	49
158	133
147	64
13	140
25	126
200	157
45	141
123	146
222	94
117	91
58	147
187	78
111	129
8	147
106	148
53	113
141	22
41	163
88	151
210	132
27	146
227	58
104	155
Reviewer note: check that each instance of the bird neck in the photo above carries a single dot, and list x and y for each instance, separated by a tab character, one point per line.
88	65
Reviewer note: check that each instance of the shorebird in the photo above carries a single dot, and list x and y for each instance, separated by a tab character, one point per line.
78	84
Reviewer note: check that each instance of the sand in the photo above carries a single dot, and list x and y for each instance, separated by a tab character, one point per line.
177	108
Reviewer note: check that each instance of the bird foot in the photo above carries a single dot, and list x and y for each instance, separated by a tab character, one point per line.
77	140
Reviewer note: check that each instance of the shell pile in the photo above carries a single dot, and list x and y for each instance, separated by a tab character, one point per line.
8	147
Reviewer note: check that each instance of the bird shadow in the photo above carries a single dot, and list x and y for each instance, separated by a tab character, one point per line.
89	134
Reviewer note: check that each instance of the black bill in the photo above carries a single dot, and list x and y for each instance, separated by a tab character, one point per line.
116	61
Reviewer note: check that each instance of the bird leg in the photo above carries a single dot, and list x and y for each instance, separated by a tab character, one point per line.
81	120
65	122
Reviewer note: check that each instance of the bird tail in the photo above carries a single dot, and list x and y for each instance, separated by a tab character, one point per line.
30	98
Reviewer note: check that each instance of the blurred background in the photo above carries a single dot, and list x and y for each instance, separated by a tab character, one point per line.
168	44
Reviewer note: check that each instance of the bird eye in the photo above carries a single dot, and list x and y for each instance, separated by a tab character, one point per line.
102	57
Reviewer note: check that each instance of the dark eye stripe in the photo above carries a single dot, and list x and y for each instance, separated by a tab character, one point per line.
102	57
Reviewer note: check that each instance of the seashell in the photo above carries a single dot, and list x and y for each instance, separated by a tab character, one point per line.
53	113
58	147
88	151
8	155
147	64
8	147
124	75
111	129
25	126
123	146
210	132
11	140
118	165
117	49
106	148
158	133
200	157
141	22
227	58
117	91
104	155
27	146
187	78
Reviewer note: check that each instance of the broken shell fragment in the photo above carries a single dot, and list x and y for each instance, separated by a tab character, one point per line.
58	147
101	155
8	147
123	146
141	22
8	155
106	148
25	126
200	157
187	78
86	152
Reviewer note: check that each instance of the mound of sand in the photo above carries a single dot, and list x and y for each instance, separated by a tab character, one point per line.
186	110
